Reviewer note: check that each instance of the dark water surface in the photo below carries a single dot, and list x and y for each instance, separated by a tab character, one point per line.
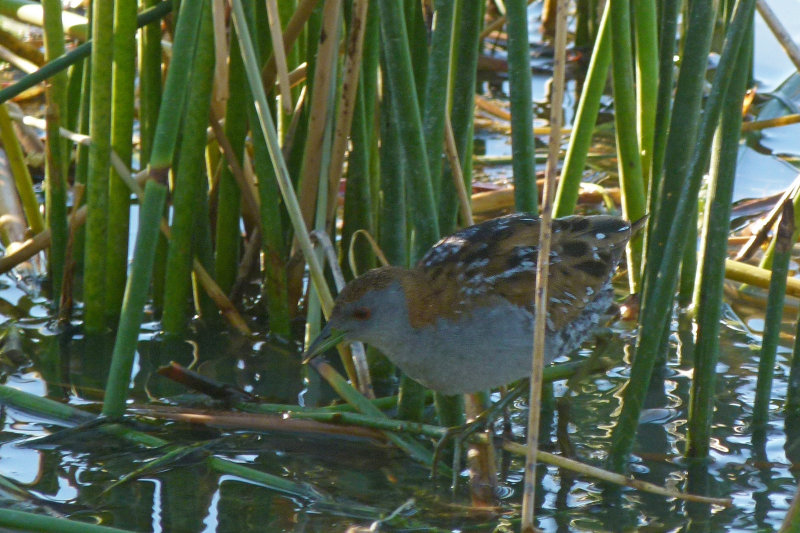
76	475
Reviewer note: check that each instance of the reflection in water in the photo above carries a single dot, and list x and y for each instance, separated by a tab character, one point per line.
74	473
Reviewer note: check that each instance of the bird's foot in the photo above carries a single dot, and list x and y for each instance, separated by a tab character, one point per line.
458	435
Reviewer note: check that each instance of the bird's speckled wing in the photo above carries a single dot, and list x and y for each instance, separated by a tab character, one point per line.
498	257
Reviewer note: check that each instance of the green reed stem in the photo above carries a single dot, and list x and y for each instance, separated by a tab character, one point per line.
666	68
791	522
688	262
275	483
74	95
24	521
523	148
588	106
773	316
793	386
404	105
449	409
34	13
436	84
646	35
714	251
273	240
19	169
82	152
136	290
45	407
149	84
410	173
404	98
227	239
363	405
625	121
682	134
466	44
659	290
165	136
80	52
203	250
392	235
47	71
279	165
358	196
667	42
274	285
417	31
52	409
370	64
380	423
410	400
123	76
370	61
55	149
189	190
94	275
77	118
585	22
555	372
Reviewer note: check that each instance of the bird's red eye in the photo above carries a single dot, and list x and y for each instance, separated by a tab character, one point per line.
361	313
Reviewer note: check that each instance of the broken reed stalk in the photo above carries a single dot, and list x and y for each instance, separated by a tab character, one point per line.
287	418
67	415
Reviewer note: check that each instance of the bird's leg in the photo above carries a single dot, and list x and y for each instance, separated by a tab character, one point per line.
459	434
440	447
483	420
596	362
562	428
506	434
602	337
481	456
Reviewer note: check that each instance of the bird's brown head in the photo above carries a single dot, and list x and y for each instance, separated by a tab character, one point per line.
367	306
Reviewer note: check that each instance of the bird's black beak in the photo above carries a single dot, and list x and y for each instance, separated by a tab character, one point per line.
327	338
639	224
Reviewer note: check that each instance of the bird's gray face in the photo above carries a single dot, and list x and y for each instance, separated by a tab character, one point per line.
369	318
366	317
